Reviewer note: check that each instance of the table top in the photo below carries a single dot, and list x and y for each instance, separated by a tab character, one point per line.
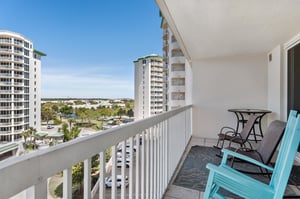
249	110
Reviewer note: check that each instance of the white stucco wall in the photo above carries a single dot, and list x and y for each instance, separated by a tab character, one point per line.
275	84
224	83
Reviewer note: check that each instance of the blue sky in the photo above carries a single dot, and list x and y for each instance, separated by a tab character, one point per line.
90	44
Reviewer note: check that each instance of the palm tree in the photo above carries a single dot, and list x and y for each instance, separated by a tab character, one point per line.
33	135
30	133
70	133
71	121
26	134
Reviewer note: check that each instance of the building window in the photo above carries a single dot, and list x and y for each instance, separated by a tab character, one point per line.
26	52
178	81
177	67
176	53
178	96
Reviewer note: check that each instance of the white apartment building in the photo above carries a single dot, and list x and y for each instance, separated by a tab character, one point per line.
177	72
20	72
148	89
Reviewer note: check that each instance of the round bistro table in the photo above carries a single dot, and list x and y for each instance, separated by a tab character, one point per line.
241	113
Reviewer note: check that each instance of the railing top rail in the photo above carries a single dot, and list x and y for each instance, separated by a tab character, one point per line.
42	164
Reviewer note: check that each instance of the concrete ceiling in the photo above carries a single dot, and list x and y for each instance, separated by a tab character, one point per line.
219	28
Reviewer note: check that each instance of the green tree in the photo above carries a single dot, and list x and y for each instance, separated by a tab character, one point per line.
30	133
66	110
130	113
26	134
121	112
70	133
47	113
77	173
55	108
71	121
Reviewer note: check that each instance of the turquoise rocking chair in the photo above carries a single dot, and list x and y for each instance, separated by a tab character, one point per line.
223	176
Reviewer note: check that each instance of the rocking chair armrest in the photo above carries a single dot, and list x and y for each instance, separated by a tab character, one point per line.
227	153
228	129
230	132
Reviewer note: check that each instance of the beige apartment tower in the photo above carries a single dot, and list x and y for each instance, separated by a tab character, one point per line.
148	91
177	72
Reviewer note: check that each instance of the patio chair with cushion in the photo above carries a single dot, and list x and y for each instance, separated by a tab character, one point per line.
231	136
267	147
223	176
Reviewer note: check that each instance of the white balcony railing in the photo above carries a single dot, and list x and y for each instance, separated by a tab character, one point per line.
159	142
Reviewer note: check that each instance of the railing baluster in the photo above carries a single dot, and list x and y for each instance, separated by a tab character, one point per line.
123	174
147	163
87	179
159	184
113	172
131	168
40	190
166	152
137	166
143	154
67	183
154	162
151	162
102	176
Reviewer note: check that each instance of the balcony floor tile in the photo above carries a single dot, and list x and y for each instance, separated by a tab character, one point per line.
176	192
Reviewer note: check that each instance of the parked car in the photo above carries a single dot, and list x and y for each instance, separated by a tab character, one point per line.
127	148
108	181
50	126
119	162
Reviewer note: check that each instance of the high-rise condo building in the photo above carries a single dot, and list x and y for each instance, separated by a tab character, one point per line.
177	72
20	72
148	92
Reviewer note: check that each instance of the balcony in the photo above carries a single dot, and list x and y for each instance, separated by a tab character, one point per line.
159	142
5	50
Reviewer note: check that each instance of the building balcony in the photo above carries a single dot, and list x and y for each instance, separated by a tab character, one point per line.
177	74
5	50
18	43
5	41
18	115
18	52
19	60
5	58
159	143
19	91
6	66
19	100
6	91
5	99
5	107
6	83
18	84
6	115
5	124
6	74
18	68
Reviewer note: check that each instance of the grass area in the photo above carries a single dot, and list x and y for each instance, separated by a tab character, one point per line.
54	182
